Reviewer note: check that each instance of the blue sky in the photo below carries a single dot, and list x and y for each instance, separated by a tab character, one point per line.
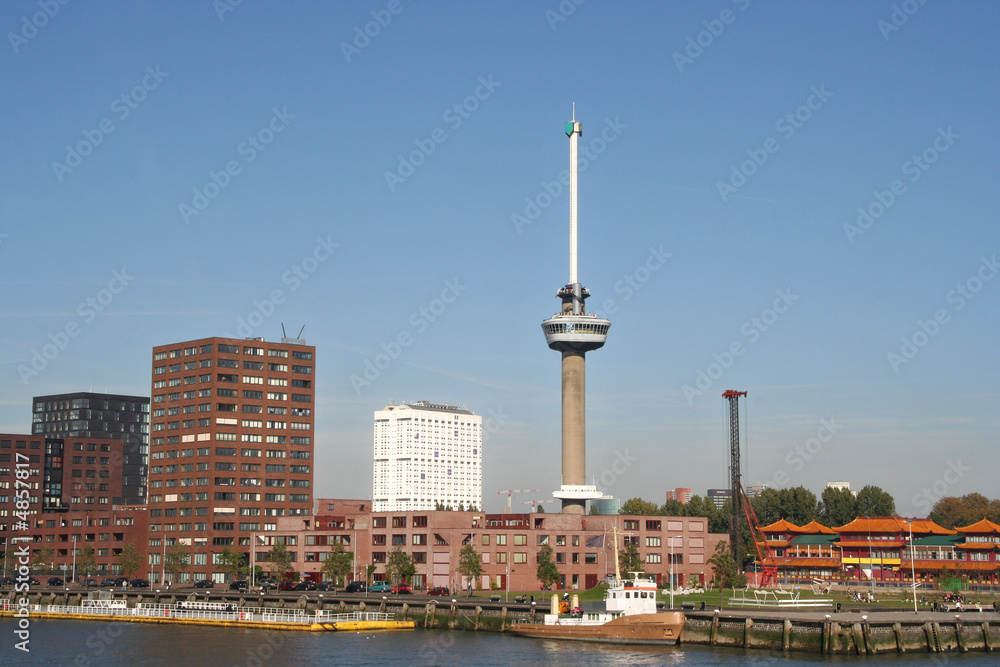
273	164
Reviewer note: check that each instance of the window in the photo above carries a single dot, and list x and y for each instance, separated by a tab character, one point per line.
653	558
632	524
520	557
652	525
652	542
519	541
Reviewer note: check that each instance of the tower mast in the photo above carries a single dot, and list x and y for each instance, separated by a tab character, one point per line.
573	332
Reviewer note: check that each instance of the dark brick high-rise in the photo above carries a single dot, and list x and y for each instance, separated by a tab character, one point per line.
231	444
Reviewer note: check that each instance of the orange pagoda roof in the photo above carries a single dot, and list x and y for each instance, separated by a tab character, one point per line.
814	527
893	524
980	527
781	526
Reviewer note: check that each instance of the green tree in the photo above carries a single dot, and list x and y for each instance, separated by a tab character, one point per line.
43	560
672	507
399	564
280	561
839	507
873	501
547	572
725	573
629	559
700	506
369	571
337	564
638	506
953	512
129	560
86	559
796	505
176	560
470	563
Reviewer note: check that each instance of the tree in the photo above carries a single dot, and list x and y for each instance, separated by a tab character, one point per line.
338	563
176	560
399	564
540	509
129	560
699	506
873	501
672	507
724	571
952	512
628	558
641	507
43	560
86	559
280	560
839	507
369	571
470	563
797	505
547	572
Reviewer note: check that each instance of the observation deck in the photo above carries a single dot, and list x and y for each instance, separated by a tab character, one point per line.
581	333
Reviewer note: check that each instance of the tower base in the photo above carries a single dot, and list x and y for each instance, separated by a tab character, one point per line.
574	497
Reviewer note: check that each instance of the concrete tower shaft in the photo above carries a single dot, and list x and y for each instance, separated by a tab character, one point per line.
574	332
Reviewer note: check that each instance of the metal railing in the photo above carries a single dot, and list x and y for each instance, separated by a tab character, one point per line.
232	613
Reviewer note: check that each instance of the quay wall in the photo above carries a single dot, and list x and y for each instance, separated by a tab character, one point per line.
853	633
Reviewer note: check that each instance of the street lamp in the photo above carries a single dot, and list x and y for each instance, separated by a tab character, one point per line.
74	558
670	538
913	575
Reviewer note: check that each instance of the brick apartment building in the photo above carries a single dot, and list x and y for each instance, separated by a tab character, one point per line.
231	444
508	544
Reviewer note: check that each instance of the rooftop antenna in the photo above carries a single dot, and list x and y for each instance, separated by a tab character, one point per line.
298	340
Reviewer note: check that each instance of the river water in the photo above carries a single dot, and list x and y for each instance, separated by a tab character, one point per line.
108	644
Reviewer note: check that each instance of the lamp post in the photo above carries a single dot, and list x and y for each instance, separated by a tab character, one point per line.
74	558
671	539
913	571
506	560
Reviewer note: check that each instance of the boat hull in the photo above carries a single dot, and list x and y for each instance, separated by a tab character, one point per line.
655	629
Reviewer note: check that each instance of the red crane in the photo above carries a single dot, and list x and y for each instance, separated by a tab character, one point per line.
740	502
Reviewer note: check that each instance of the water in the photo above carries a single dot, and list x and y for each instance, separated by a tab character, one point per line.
108	644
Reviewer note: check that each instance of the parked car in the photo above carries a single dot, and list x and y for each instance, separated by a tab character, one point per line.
380	587
325	586
239	585
204	583
138	583
121	581
306	586
6	581
89	583
439	590
108	581
356	587
402	589
287	586
56	581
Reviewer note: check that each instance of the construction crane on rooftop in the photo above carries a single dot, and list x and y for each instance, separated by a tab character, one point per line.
534	503
510	496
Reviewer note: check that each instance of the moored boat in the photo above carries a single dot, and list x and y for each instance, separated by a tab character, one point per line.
628	615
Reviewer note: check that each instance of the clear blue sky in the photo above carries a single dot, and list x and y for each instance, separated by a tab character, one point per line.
832	100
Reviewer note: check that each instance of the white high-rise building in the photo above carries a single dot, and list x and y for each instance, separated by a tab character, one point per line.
427	454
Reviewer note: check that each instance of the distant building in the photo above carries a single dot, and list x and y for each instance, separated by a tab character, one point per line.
754	490
719	496
427	455
680	494
91	415
841	486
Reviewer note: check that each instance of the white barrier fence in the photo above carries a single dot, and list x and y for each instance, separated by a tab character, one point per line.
223	612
